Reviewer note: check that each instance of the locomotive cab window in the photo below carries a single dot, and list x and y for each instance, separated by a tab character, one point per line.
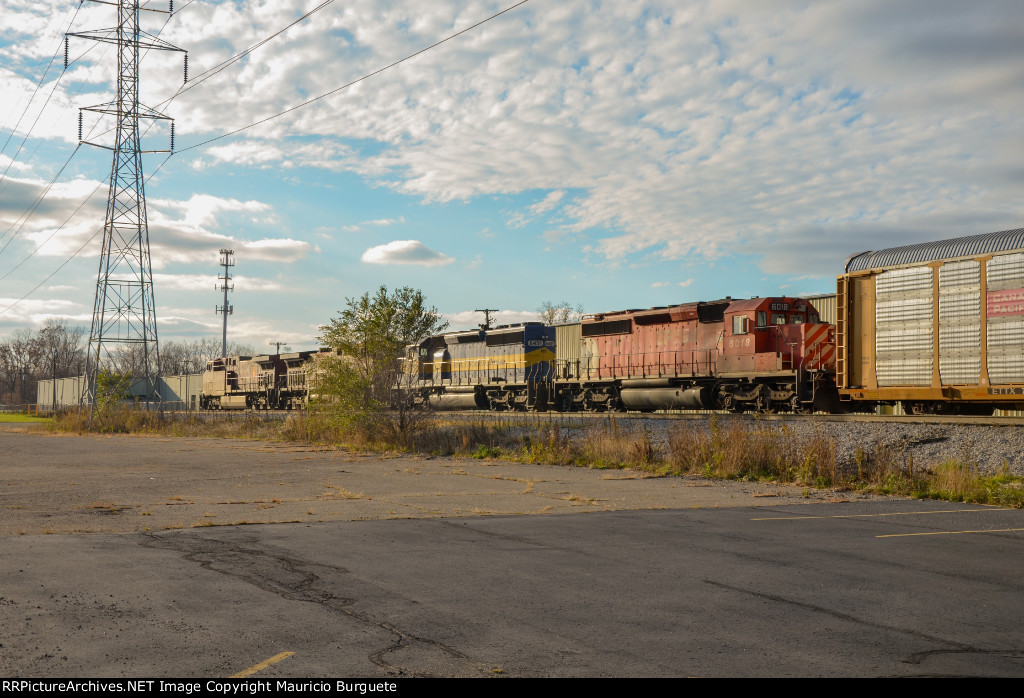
762	318
778	318
739	324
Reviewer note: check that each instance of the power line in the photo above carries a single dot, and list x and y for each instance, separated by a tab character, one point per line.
356	81
39	83
56	230
210	72
28	104
76	252
36	202
39	198
261	121
27	214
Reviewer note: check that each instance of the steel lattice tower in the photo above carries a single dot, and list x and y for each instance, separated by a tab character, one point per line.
123	336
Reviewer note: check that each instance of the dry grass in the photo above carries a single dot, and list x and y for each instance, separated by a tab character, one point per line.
719	448
736	450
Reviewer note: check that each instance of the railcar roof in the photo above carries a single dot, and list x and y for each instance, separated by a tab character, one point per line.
1003	241
763	303
662	309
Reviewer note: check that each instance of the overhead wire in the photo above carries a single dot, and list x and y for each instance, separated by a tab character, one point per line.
19	224
28	104
266	119
210	72
76	252
35	204
356	81
39	198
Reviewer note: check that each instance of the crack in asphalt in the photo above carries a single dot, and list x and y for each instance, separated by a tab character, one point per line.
244	564
958	647
919	657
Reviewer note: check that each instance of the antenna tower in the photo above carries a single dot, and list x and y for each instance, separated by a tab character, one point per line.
226	309
487	317
123	338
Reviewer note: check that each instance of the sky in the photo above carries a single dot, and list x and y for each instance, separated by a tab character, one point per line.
610	155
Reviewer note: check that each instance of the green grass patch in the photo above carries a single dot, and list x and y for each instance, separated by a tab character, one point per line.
22	418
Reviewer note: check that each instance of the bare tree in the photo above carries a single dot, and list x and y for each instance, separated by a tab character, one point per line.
60	349
55	351
558	313
21	364
182	358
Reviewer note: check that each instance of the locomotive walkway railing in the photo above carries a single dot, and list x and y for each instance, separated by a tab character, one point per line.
665	364
485	371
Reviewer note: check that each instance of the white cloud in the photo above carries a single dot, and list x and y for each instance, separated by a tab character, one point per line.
705	129
205	282
385	221
180	231
471	319
548	203
663	284
35	312
775	129
405	252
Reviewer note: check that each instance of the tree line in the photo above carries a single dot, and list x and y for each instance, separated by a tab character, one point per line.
58	350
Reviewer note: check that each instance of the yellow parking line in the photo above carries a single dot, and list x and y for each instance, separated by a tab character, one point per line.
948	533
857	516
261	666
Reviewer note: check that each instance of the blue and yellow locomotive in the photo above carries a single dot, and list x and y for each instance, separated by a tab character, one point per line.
504	368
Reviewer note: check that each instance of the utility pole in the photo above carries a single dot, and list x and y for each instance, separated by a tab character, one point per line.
487	316
279	345
226	309
124	310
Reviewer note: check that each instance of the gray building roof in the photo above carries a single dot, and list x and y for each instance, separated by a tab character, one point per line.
1004	241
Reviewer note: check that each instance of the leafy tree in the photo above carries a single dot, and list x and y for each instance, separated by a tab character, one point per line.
112	387
558	313
357	384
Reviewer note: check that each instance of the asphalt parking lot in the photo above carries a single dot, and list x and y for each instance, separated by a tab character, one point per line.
467	568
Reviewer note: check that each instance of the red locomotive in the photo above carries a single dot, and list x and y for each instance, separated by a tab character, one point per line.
762	353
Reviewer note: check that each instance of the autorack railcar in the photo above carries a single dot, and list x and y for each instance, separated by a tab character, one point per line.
938	327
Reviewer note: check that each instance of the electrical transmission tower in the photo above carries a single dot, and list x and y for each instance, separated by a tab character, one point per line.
226	309
123	337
